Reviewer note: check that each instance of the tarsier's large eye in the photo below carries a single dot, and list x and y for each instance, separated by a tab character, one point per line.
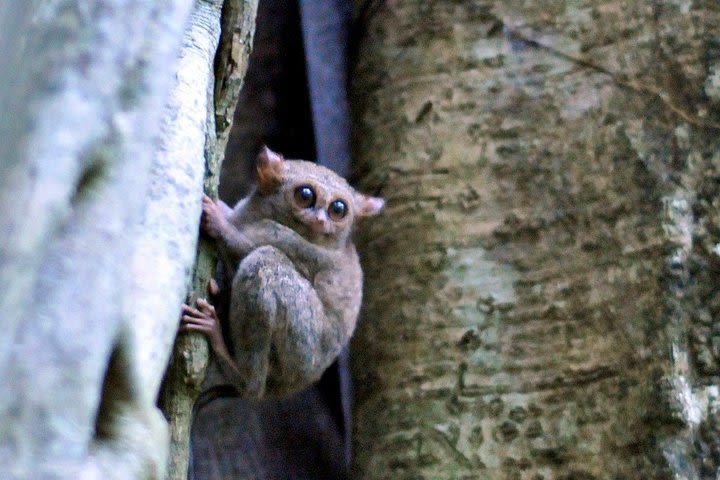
338	209
305	196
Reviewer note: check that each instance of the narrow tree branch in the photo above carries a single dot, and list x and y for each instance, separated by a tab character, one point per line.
190	135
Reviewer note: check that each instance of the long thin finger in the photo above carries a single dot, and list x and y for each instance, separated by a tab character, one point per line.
187	319
195	328
192	311
206	307
188	308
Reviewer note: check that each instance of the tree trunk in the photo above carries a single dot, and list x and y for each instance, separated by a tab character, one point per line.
100	220
541	294
83	102
206	100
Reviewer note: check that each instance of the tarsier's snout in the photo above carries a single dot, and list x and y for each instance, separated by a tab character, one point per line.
320	222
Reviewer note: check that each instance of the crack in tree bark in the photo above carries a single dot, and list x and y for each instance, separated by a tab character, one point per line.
619	79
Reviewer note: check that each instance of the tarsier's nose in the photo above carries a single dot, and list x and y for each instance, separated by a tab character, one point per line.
321	222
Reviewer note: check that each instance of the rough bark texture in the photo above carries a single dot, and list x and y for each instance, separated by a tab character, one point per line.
541	294
83	88
100	190
193	92
213	63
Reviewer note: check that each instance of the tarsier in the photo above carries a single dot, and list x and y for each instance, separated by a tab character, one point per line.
297	286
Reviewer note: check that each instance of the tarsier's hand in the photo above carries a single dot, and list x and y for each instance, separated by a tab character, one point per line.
214	217
204	320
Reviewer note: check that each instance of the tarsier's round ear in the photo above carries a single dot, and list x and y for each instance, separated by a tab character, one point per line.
367	206
269	170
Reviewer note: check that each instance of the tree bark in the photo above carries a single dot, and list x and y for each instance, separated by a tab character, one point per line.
83	102
541	294
203	99
101	203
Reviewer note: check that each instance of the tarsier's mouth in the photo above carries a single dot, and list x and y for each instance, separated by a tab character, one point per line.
321	228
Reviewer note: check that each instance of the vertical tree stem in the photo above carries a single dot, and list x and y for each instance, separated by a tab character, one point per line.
231	27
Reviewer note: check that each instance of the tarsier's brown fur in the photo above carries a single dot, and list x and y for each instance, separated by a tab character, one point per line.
297	286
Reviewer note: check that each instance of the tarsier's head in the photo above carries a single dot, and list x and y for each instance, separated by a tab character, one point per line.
313	200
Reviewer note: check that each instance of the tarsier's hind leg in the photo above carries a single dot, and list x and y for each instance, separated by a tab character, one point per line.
278	326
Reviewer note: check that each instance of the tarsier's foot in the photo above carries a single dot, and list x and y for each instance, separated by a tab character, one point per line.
203	319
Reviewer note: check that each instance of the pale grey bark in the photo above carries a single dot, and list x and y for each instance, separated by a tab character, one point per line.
97	240
167	240
188	163
166	247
